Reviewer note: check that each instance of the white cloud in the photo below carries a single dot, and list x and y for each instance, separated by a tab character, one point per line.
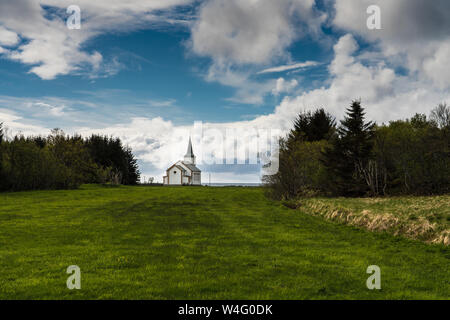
160	143
254	31
162	103
247	90
241	37
7	37
56	111
386	96
437	66
42	109
415	33
16	124
52	49
300	65
284	86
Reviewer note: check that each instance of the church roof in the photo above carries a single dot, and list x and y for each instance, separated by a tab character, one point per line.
192	167
189	152
175	165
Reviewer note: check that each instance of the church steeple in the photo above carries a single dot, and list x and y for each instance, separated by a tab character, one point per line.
189	156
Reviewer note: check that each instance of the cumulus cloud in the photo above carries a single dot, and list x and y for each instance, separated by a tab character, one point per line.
239	32
414	34
385	94
52	49
237	35
437	66
284	86
158	143
7	37
61	47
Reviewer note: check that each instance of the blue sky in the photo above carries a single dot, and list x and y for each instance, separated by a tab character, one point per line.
145	70
155	70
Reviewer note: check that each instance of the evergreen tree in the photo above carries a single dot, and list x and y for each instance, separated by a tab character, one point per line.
60	161
109	153
348	159
300	171
311	127
133	175
322	126
1	132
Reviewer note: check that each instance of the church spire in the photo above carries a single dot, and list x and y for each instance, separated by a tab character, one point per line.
189	152
189	156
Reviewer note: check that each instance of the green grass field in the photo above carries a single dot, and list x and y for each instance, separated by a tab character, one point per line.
200	243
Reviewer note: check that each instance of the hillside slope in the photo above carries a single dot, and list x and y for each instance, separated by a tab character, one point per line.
200	243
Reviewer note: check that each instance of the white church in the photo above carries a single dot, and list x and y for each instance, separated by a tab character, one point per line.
184	172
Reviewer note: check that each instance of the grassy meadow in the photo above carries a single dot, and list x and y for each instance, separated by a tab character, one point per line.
205	243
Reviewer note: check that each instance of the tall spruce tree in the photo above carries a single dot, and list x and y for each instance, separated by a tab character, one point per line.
350	153
313	126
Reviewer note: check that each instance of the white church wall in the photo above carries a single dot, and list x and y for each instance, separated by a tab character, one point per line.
197	178
188	171
174	175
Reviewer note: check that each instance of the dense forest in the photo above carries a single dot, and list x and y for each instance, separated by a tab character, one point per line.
361	158
59	161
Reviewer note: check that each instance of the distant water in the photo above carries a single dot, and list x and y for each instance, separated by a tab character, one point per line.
235	184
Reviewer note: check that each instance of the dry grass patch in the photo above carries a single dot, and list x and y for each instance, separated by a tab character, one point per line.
422	218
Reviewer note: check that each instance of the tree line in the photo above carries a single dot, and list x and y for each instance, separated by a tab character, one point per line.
360	158
60	161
